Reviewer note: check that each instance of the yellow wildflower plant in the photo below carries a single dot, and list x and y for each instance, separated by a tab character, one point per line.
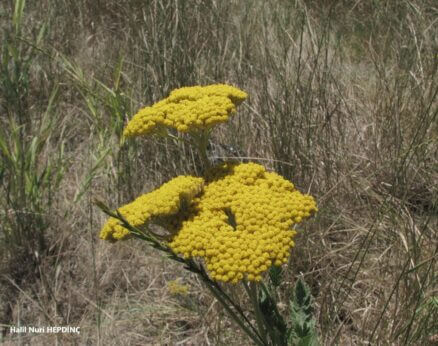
188	109
243	222
231	225
162	206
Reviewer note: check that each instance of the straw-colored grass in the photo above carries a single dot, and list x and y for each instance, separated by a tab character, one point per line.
343	102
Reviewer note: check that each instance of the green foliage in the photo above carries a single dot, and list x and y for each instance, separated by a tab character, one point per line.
275	324
302	331
275	275
427	315
29	172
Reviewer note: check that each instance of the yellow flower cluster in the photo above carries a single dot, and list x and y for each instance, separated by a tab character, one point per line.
242	222
176	288
162	206
238	218
187	109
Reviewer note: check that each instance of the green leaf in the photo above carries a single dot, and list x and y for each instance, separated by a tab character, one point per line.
302	330
275	274
41	34
275	323
91	174
231	218
18	15
101	205
118	72
309	340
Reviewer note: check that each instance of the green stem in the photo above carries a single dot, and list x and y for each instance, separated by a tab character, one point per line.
230	302
178	138
256	338
252	293
279	325
276	312
201	141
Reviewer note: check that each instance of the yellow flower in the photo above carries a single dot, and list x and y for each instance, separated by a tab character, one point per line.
187	109
238	218
264	206
163	206
176	288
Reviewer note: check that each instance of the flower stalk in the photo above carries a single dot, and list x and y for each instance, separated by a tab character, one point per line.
251	290
200	140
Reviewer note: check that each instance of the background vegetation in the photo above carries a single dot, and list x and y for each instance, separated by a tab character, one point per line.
343	101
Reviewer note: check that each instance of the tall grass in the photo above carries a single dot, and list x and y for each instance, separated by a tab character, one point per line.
343	101
31	166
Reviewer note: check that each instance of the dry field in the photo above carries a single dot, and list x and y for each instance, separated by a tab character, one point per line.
343	101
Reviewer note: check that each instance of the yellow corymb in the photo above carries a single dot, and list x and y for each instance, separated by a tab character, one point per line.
187	109
154	206
239	218
243	222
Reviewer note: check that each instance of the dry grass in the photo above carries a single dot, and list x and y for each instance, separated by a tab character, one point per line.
343	101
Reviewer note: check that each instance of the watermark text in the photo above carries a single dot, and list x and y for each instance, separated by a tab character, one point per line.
44	330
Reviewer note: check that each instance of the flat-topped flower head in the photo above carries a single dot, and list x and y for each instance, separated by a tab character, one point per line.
239	218
243	222
164	206
188	109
